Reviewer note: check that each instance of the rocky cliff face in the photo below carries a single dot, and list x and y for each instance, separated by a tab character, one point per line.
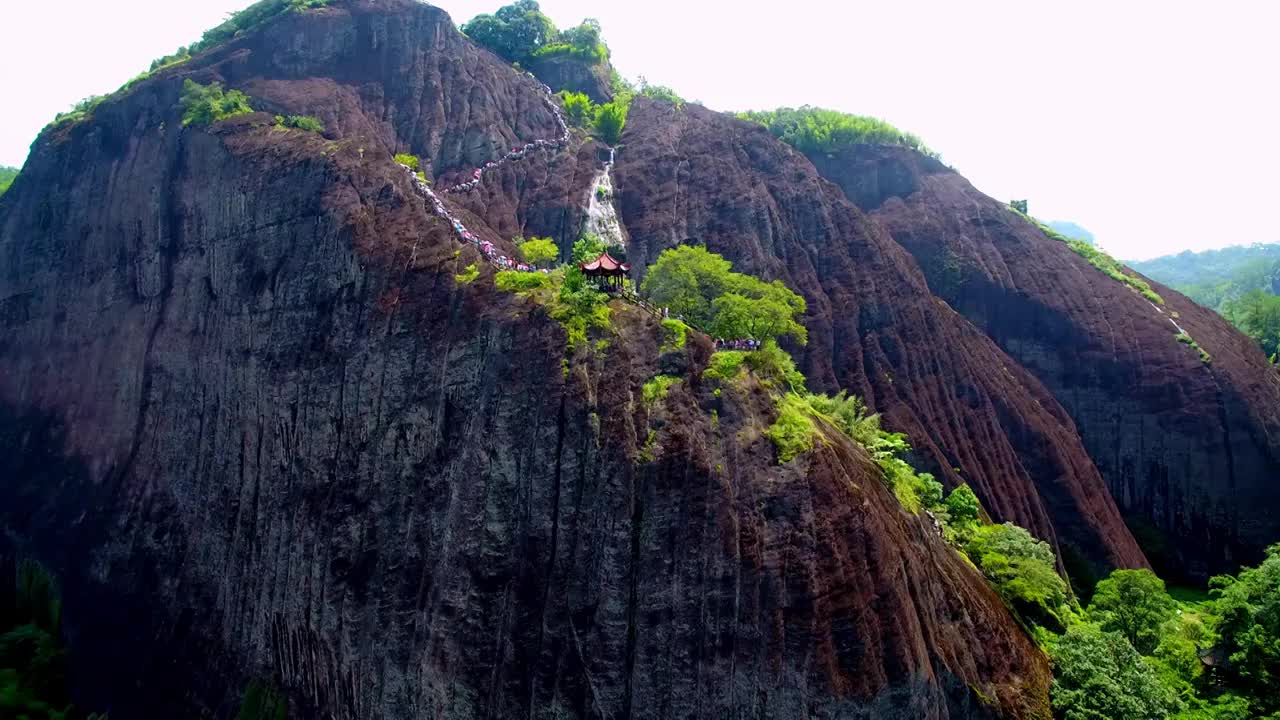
695	176
257	427
1190	451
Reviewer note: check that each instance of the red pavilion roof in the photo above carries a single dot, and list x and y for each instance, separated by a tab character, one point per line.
604	264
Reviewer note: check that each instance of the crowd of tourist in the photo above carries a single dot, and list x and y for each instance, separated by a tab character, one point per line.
743	344
486	248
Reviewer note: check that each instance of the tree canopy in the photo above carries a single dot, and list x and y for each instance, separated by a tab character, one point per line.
701	287
1135	604
520	32
1098	675
1249	610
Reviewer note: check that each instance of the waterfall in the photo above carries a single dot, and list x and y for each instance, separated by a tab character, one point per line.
602	216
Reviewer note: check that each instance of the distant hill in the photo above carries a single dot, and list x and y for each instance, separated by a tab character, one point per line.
1071	230
1215	277
1241	283
7	174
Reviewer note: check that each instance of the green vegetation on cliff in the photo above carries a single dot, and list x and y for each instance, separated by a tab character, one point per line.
238	23
7	176
520	32
299	122
605	122
701	288
206	104
1139	653
816	130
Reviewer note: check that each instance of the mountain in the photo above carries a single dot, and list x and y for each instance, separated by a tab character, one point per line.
264	414
1071	230
1214	277
1156	419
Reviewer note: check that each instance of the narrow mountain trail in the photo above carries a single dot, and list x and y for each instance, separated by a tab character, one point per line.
487	249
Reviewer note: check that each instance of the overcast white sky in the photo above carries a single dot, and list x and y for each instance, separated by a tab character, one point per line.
1155	124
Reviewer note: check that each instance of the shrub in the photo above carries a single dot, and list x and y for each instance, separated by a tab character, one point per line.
1135	604
580	308
610	120
963	510
409	161
518	282
80	111
725	365
465	277
539	251
793	431
1023	571
656	389
674	334
580	43
660	92
775	368
578	108
815	130
1099	675
205	104
300	122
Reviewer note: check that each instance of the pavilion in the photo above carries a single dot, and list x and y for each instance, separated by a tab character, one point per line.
606	271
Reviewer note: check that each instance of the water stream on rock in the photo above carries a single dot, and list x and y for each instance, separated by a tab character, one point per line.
602	216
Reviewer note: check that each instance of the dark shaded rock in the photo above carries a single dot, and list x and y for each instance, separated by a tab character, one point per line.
566	73
1191	452
691	175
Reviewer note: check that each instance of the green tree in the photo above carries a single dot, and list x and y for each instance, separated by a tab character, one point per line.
1257	314
515	32
1023	570
1019	206
539	251
1135	604
1099	676
611	119
587	248
701	287
1249	627
963	510
770	316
